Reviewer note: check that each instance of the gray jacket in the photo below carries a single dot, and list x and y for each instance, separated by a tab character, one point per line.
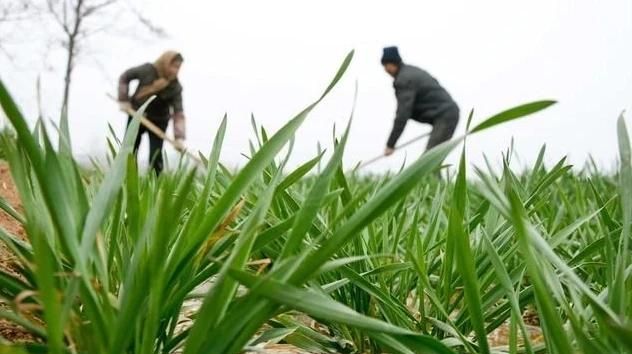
420	97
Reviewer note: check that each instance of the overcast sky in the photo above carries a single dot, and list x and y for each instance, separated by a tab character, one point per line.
272	58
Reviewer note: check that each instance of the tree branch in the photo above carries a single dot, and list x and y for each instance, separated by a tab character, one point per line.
13	12
90	10
57	17
6	53
153	28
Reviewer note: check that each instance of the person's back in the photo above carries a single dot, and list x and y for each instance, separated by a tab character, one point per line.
167	98
431	98
419	97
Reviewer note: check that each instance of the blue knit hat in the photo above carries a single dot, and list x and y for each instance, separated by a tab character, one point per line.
391	55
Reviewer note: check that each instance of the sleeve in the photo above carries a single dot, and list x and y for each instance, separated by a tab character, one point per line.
179	126
405	94
129	75
176	104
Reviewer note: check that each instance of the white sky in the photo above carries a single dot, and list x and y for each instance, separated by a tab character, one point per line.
272	58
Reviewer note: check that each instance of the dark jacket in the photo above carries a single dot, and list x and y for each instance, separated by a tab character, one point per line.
167	102
420	97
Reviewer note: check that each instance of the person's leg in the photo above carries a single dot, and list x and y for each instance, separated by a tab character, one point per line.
443	128
139	135
442	131
155	148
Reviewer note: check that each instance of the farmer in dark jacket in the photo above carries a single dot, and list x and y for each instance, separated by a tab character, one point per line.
420	97
160	79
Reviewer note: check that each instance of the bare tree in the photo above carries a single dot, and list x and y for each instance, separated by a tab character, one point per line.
79	20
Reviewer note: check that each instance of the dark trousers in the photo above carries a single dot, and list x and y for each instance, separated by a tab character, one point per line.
442	131
443	128
155	144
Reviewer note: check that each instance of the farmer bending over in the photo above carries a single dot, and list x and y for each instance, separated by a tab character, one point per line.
420	97
160	79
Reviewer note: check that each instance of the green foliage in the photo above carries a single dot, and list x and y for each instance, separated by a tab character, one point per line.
404	264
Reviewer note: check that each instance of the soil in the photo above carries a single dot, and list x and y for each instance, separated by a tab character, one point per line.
9	192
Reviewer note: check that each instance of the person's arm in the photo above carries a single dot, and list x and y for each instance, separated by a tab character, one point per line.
123	87
405	101
179	125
